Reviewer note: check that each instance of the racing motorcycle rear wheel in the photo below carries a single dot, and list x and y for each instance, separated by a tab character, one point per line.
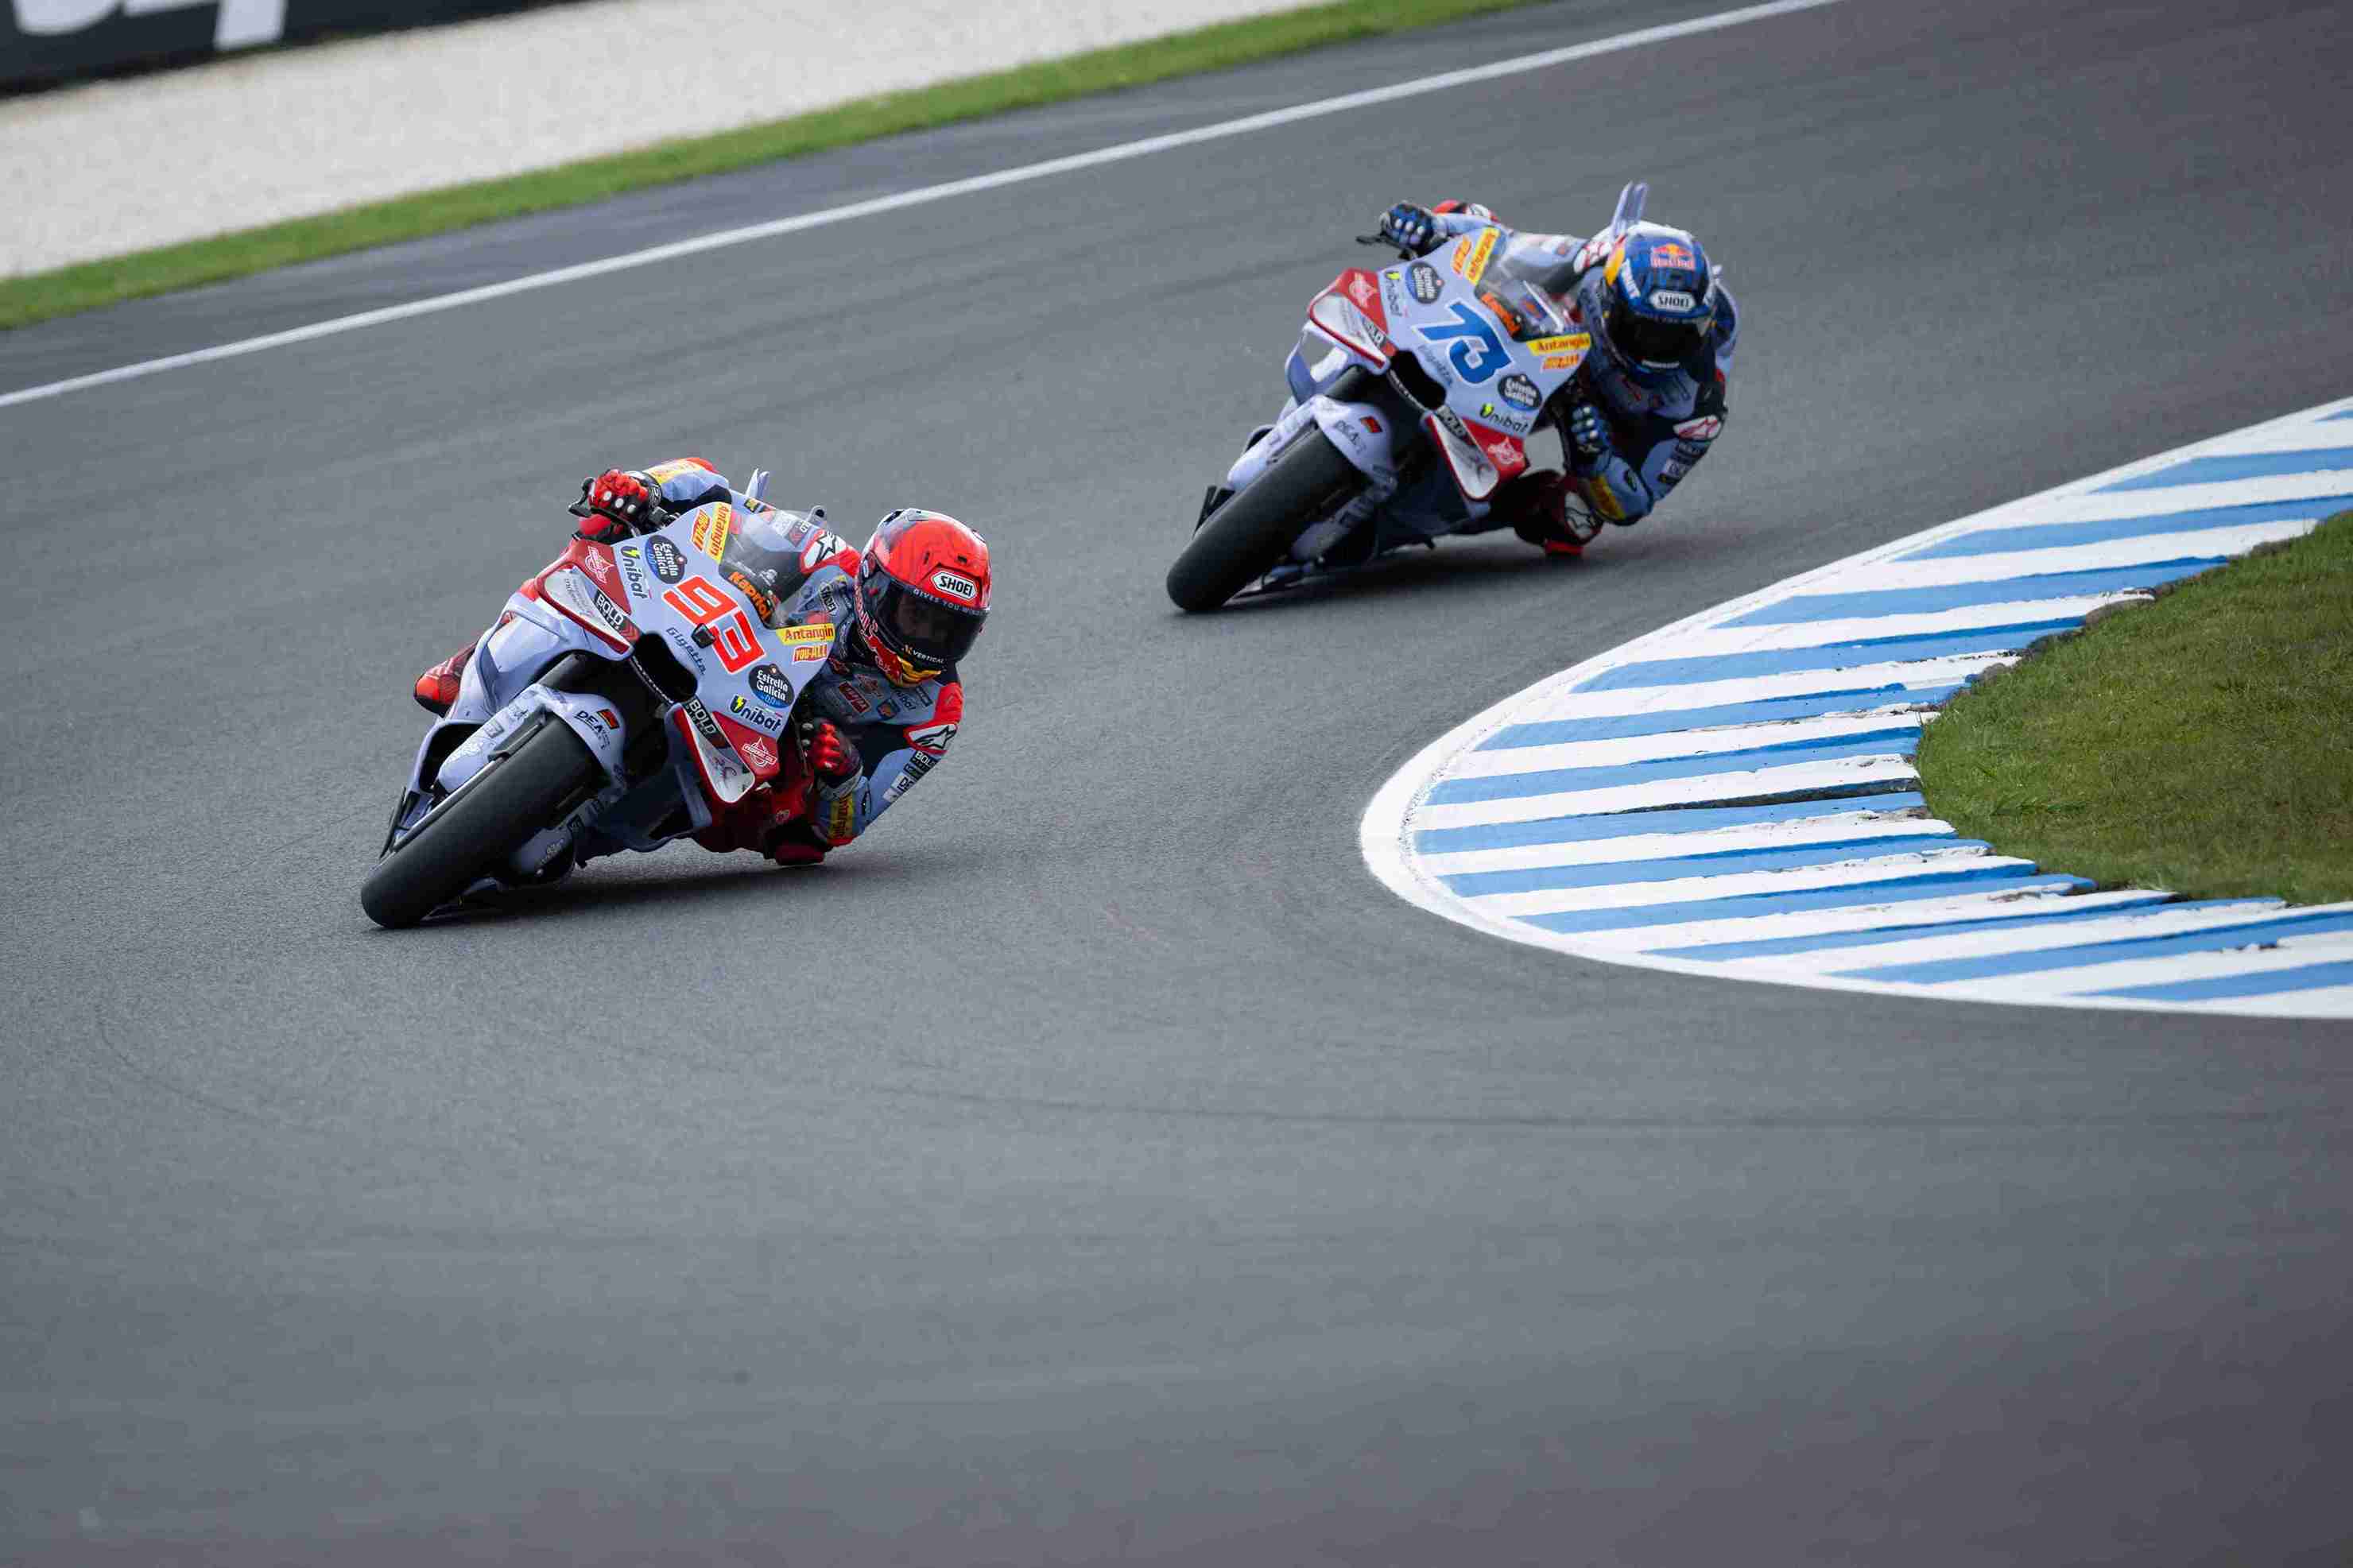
1248	535
470	834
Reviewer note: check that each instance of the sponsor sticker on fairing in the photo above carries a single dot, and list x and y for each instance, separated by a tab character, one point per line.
1520	391
750	713
760	754
1360	290
817	634
610	612
704	724
668	561
1470	253
769	685
1427	284
711	527
633	572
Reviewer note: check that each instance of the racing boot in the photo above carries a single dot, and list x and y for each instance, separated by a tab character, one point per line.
436	688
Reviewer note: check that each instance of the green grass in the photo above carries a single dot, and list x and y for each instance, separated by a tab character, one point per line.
2202	743
40	296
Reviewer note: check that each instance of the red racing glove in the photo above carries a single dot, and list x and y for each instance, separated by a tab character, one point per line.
1538	507
615	505
830	756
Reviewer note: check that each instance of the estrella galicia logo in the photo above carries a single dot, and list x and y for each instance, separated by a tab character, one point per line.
769	685
1427	284
670	565
1520	391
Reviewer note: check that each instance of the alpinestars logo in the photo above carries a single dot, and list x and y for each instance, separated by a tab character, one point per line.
931	738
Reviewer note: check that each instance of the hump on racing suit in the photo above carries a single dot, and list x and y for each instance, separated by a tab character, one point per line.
798	574
1661	420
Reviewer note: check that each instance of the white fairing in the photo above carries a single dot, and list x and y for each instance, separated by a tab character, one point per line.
1496	373
742	667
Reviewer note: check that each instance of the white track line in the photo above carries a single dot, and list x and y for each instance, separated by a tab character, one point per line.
1684	744
1444	81
1749	783
1678	668
2152	920
1805	832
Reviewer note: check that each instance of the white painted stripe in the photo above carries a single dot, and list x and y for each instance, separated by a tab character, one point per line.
1804	833
2319	435
2323	1002
2091	504
1822	634
1792	780
2254	959
1925	672
2159	920
1984	906
2025	564
1391	92
1686	890
1510	760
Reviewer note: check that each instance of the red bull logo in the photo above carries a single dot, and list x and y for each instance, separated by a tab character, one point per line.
1671	254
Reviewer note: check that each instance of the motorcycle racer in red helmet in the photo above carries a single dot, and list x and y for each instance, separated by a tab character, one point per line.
905	610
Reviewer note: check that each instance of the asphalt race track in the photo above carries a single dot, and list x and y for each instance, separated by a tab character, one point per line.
1097	1163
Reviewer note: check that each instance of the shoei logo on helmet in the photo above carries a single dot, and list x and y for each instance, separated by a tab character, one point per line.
955	586
1671	299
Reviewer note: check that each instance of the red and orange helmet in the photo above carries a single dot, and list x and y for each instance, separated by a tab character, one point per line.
923	593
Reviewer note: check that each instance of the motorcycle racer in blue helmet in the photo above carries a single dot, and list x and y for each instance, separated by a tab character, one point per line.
1646	405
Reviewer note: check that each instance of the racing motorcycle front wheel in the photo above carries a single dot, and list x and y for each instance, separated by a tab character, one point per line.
473	833
1249	535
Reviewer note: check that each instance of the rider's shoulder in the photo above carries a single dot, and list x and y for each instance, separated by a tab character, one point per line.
931	718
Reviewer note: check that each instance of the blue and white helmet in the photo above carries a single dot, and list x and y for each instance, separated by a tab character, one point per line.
1658	297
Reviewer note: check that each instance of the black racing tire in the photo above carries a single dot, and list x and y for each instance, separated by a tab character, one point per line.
1250	533
477	828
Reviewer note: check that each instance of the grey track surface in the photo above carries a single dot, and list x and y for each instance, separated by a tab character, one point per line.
1097	1165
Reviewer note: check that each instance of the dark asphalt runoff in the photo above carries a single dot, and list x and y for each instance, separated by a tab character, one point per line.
1097	1165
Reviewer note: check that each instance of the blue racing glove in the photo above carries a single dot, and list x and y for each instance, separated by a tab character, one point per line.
1409	227
1588	438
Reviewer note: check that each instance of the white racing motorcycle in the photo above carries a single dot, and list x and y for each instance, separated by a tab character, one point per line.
1413	392
627	692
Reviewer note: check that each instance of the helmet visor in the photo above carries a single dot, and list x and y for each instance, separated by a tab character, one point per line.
1653	341
921	629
